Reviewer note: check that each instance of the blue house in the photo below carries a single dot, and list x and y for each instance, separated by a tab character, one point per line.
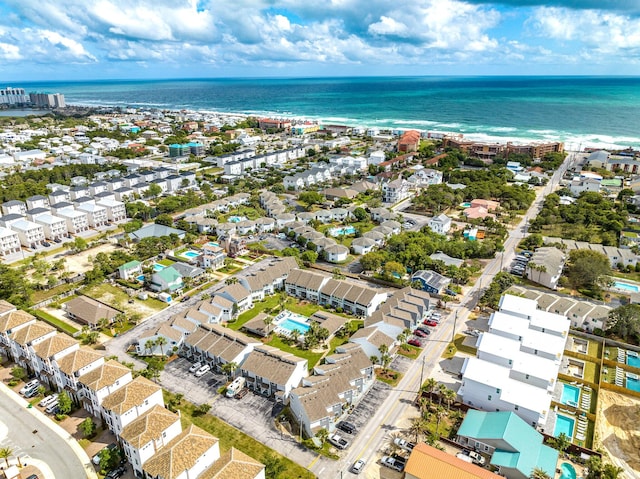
515	447
431	281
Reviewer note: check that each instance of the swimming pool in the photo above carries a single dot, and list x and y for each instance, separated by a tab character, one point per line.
140	277
632	288
466	204
346	230
570	395
190	254
633	382
236	219
212	243
289	321
633	359
158	267
565	425
568	471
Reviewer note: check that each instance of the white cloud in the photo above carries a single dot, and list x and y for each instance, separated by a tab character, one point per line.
9	52
388	26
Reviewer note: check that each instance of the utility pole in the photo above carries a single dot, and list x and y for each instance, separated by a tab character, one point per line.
421	374
455	322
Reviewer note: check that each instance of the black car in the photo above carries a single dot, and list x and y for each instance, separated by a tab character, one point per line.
46	244
424	329
346	427
116	473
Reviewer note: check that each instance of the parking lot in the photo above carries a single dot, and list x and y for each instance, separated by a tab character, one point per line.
177	379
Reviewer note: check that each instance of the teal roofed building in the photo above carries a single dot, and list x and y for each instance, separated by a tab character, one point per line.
515	447
167	279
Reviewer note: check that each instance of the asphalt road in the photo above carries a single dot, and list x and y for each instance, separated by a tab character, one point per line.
369	441
31	438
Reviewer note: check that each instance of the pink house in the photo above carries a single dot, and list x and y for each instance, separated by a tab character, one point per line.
489	205
476	212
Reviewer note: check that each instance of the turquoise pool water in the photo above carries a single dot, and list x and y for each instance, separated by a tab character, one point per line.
236	219
190	254
158	267
291	324
626	287
213	243
633	359
465	205
570	395
346	230
568	471
140	278
633	383
565	425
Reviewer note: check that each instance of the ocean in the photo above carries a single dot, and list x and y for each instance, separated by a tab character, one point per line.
581	111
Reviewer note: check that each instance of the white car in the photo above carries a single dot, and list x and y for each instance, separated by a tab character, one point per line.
358	466
203	370
195	367
34	383
48	400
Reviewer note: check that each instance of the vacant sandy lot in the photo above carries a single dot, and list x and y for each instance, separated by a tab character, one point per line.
78	263
618	430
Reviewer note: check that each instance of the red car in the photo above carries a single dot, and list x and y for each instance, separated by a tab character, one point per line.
415	342
419	333
430	322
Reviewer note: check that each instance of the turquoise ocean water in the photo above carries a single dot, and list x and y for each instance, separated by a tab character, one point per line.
582	111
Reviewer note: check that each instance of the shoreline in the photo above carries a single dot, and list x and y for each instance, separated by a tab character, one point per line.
497	134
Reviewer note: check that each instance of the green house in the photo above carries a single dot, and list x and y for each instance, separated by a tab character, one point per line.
167	279
130	270
515	447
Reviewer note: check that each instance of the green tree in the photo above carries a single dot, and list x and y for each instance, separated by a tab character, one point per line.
562	442
14	286
624	322
393	269
229	368
161	341
588	269
273	465
310	198
18	373
88	427
153	191
79	244
309	256
164	219
539	473
361	214
64	403
6	453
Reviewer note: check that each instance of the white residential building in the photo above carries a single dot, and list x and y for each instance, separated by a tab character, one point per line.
440	224
77	221
9	241
31	234
55	228
116	211
96	214
100	382
517	362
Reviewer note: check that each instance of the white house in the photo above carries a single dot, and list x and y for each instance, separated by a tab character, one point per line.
440	224
9	241
362	245
336	253
98	383
127	403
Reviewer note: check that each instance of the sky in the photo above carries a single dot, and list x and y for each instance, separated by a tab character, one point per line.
44	40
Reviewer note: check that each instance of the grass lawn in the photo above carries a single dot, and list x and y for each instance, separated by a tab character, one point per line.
409	351
311	357
459	339
166	262
269	303
389	376
55	322
114	296
230	436
591	372
304	308
38	296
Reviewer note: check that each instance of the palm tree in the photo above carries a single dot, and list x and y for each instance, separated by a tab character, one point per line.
539	473
149	345
229	368
430	386
322	434
449	396
231	280
417	428
161	341
295	335
562	442
441	391
440	413
268	320
385	360
6	453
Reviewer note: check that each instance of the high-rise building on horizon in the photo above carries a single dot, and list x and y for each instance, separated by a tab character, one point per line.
13	96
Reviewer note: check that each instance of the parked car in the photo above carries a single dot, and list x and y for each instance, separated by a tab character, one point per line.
34	383
338	441
431	322
392	463
52	408
404	444
185	299
33	476
46	244
202	370
111	447
358	466
33	392
48	400
242	393
116	473
476	458
194	367
424	329
346	427
420	334
415	342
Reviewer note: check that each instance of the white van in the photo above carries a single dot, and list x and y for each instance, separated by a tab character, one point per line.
203	370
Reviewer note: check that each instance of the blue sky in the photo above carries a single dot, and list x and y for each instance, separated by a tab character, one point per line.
43	40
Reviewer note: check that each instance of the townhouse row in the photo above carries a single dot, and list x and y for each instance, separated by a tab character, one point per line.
151	436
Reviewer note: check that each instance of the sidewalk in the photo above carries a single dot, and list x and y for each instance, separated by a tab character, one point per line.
59	431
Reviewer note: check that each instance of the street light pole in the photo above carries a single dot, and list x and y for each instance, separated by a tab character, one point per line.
455	321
